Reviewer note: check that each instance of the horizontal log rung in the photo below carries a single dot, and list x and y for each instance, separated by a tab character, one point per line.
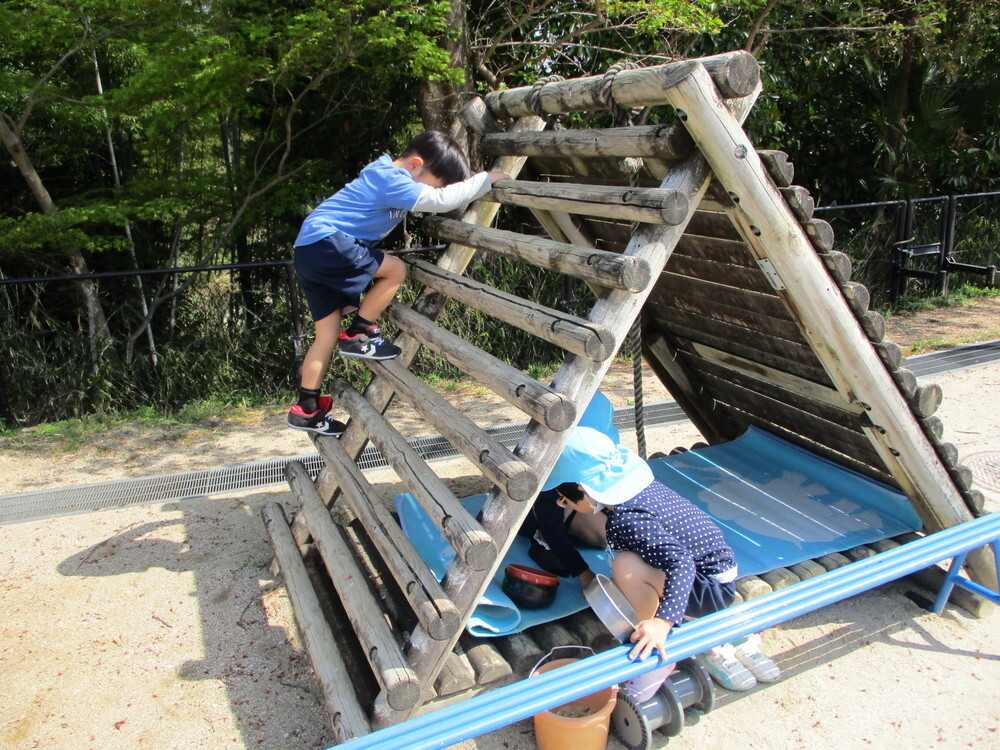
574	334
555	410
662	141
649	205
603	268
473	545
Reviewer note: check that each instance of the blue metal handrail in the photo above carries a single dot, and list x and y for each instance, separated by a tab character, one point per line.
498	708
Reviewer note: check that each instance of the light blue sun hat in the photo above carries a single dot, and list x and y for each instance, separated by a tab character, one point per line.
609	473
600	415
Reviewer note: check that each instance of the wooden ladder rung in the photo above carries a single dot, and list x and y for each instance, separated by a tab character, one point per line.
383	651
472	544
348	718
648	205
514	477
436	613
577	335
600	267
663	141
541	403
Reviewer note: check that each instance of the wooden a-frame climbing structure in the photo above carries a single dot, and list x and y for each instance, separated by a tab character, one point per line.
747	312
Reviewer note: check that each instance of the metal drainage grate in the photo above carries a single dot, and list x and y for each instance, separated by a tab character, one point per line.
29	506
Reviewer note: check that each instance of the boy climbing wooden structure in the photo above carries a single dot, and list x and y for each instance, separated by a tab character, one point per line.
747	312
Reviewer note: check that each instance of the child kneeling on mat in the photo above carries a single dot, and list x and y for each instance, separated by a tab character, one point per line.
670	558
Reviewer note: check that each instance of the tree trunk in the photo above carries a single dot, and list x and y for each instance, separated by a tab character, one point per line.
440	101
97	323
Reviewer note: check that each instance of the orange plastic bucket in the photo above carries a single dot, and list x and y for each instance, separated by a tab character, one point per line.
582	724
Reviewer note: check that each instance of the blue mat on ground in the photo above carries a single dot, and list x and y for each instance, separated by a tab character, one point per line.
496	614
777	504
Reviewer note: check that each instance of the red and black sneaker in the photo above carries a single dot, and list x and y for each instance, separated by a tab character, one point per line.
318	421
367	345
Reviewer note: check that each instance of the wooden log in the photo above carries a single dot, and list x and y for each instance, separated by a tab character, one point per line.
435	611
574	334
455	676
906	381
552	635
486	660
800	201
663	141
650	205
833	560
736	74
472	544
838	264
779	578
861	552
540	402
384	653
926	400
962	476
590	631
775	383
778	167
734	252
976	500
807	569
687	286
821	234
768	226
347	717
599	267
750	587
948	453
514	477
933	426
711	224
735	276
890	354
873	324
520	651
857	296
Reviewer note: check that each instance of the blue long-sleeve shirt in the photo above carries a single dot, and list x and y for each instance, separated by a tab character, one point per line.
673	535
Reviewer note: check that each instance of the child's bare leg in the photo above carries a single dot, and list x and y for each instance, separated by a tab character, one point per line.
388	279
317	359
641	583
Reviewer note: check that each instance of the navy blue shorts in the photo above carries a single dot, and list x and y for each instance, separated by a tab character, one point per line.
335	272
709	595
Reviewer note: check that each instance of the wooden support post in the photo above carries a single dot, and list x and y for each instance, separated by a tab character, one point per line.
538	401
347	717
472	544
582	337
383	651
434	610
771	230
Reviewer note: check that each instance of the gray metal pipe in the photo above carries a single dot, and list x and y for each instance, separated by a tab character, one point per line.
498	708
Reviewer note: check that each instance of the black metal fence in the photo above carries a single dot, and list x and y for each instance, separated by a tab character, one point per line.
930	239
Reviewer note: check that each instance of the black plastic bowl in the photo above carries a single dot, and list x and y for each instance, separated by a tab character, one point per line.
529	588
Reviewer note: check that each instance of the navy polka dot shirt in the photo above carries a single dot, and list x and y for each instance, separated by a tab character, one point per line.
672	534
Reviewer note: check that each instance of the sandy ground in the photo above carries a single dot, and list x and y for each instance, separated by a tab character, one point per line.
159	627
